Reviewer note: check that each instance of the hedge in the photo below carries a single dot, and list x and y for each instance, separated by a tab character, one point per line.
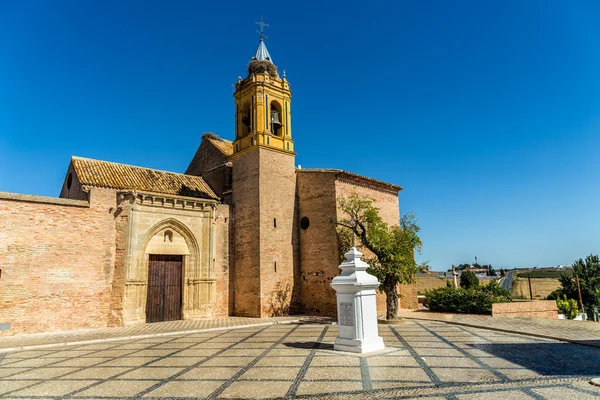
469	301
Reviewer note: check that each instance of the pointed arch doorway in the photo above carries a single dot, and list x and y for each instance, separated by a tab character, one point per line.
164	297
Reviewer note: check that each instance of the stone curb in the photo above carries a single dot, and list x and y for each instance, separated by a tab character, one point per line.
561	339
141	336
595	381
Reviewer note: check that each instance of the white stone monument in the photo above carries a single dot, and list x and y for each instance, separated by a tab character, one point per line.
356	306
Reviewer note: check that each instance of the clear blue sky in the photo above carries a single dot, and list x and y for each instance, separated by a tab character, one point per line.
487	112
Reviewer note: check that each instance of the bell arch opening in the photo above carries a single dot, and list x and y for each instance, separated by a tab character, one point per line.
245	120
276	118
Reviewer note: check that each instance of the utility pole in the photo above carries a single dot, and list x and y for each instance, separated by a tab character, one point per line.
530	291
579	291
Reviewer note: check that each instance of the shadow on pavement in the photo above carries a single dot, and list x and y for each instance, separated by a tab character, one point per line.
309	345
547	358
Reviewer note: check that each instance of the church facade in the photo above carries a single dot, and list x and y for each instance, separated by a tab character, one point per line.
242	232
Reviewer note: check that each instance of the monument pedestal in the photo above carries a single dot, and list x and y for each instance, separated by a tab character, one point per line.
356	306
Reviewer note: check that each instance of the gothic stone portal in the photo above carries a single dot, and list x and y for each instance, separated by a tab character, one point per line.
170	273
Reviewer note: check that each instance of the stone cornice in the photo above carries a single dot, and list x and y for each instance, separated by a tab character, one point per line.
164	201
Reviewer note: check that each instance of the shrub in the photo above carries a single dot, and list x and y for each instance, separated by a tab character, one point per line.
567	307
469	301
556	294
495	289
588	272
468	280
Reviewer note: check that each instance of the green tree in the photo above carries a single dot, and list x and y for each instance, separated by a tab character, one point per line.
588	271
468	280
393	247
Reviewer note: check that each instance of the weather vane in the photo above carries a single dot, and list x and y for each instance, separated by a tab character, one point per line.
262	28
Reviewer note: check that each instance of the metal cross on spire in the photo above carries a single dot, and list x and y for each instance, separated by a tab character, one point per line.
262	28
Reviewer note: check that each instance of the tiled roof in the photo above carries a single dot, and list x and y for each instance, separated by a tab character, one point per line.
262	54
341	173
224	146
111	175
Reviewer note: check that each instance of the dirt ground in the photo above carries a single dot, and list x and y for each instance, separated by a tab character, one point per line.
541	287
425	283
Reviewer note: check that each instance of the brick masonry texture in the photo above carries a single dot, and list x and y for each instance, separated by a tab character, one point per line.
210	163
246	218
317	195
277	183
57	264
81	261
536	309
264	202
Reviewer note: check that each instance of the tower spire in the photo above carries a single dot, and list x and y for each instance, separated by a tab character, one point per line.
262	54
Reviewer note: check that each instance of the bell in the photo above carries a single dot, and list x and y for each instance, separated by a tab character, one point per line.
275	118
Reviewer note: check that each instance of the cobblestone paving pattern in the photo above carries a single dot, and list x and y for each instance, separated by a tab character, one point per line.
51	339
422	359
557	329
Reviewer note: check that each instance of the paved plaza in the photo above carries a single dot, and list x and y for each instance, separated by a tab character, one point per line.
423	359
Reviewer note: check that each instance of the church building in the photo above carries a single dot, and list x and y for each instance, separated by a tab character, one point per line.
243	232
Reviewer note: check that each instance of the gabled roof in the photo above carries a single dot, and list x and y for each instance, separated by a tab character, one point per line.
111	175
223	145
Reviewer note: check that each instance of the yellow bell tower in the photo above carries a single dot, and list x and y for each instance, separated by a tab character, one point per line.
263	192
262	105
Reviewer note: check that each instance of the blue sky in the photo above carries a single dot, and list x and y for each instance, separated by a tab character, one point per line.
488	113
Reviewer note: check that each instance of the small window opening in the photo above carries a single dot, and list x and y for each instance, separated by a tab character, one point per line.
275	265
304	223
274	222
69	181
268	140
288	145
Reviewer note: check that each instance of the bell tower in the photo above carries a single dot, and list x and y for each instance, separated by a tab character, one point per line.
262	105
263	190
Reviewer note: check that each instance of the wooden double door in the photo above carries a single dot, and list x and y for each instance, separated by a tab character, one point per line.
164	288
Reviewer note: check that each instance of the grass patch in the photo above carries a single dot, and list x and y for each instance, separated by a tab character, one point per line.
544	274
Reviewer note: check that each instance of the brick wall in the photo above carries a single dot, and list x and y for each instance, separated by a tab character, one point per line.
319	254
210	163
56	257
317	195
245	199
389	209
75	189
264	187
277	213
425	283
408	296
534	309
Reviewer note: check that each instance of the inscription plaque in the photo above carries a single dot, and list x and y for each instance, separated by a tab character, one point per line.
346	314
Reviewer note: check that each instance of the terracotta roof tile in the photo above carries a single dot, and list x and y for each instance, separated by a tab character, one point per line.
111	175
224	146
